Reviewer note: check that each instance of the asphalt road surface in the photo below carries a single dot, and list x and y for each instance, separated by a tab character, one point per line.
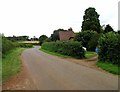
54	73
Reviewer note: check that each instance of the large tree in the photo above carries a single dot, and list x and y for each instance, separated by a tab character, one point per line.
108	28
91	20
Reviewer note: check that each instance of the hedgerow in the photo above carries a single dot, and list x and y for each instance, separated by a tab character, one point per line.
69	48
109	48
8	45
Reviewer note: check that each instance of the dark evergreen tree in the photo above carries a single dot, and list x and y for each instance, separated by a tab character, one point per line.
108	28
91	20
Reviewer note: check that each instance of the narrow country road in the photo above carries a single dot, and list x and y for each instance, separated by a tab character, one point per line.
53	73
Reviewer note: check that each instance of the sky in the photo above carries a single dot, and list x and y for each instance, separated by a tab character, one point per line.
38	17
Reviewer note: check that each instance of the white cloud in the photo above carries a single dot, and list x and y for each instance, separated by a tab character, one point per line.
37	17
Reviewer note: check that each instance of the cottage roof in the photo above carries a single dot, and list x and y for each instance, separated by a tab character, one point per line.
66	35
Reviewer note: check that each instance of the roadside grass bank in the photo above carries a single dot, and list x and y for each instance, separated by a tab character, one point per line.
54	53
111	68
11	63
87	54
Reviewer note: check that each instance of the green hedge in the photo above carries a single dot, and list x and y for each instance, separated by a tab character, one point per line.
73	49
7	45
109	48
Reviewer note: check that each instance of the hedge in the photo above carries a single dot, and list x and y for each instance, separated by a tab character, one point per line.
69	48
8	45
109	48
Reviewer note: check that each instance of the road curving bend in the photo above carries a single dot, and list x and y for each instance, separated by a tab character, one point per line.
54	73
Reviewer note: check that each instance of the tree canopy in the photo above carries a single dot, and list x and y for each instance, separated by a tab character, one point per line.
108	28
42	38
91	20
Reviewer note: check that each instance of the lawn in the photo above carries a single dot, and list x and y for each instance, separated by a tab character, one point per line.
114	69
11	63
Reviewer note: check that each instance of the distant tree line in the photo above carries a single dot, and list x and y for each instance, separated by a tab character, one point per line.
22	38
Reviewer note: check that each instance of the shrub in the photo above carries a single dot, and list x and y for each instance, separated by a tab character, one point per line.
7	45
109	48
69	48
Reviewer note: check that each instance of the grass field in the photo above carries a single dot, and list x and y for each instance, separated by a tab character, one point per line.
114	69
11	63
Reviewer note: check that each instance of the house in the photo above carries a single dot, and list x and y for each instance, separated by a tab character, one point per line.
66	35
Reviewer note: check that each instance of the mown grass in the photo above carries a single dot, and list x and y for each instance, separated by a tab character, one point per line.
11	63
114	69
89	54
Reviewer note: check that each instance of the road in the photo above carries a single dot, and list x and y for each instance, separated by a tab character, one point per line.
54	73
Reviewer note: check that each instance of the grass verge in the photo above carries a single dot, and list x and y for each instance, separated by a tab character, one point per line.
11	63
114	69
53	53
89	54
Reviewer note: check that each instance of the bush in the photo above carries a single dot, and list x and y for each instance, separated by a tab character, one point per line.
109	48
70	48
7	45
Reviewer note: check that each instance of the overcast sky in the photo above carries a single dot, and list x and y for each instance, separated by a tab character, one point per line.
38	17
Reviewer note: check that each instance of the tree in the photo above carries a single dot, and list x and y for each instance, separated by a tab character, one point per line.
55	35
91	20
108	28
93	42
42	38
118	31
84	37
